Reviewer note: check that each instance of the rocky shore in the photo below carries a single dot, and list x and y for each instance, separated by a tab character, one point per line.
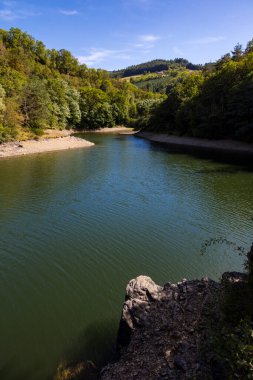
163	331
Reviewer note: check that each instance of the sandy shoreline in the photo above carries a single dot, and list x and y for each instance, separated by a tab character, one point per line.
54	140
225	148
17	148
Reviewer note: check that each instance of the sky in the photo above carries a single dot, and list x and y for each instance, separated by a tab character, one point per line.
114	34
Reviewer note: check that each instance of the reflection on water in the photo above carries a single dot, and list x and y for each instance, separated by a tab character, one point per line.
76	226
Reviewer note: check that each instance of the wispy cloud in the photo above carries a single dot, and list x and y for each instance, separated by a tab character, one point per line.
206	40
12	10
146	42
148	38
177	51
141	44
144	4
70	12
96	56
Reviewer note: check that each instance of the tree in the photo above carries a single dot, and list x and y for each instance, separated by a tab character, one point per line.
237	53
35	104
249	47
96	111
66	63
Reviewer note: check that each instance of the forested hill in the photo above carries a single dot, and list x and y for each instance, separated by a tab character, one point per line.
154	66
42	88
216	102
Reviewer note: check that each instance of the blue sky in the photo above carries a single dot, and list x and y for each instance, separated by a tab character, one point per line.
114	34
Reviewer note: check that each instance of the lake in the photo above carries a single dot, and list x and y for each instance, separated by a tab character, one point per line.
77	225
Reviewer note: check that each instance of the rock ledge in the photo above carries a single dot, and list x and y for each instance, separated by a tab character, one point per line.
161	330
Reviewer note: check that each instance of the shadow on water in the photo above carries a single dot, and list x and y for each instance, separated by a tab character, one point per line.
95	346
240	163
9	371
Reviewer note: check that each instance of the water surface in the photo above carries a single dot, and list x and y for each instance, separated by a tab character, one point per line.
76	226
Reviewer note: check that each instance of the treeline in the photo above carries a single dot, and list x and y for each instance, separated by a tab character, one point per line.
154	66
216	102
159	83
42	88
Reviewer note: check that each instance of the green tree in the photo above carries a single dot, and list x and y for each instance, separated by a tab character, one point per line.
35	104
237	53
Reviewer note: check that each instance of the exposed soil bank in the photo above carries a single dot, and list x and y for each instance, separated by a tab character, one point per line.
121	130
234	150
12	149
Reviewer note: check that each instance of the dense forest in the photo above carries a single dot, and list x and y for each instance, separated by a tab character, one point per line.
41	88
154	66
215	102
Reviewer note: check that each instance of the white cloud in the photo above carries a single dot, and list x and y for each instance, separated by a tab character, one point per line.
145	42
93	57
96	56
148	38
66	12
12	10
142	45
205	40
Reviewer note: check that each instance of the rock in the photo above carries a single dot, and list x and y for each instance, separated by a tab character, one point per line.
180	363
139	293
162	329
143	288
169	358
232	277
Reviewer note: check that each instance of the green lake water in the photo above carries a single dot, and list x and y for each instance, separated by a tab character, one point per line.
77	225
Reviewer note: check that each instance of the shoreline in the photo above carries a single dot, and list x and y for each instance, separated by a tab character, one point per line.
22	148
120	130
214	148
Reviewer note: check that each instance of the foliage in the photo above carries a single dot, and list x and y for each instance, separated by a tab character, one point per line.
154	66
96	109
216	102
76	371
229	322
41	88
234	342
159	83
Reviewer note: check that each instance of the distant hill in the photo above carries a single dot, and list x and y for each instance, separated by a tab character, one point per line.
157	65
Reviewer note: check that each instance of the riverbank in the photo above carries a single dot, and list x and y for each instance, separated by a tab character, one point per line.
53	140
120	130
221	148
42	145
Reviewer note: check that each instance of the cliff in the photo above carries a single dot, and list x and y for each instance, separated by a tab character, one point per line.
198	329
163	332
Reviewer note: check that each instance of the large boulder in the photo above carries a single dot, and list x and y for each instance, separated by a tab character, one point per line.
140	293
